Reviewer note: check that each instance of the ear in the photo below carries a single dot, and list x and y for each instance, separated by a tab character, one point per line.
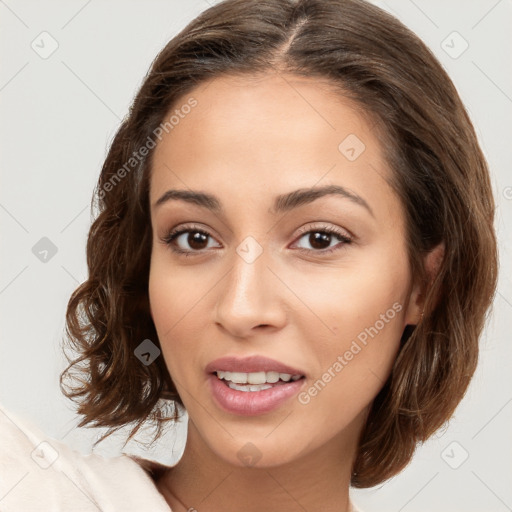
432	263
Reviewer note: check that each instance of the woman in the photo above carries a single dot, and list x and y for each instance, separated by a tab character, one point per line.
294	244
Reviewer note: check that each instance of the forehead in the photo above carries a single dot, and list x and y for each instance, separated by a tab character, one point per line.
264	133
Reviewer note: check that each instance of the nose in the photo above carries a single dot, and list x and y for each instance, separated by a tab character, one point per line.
250	299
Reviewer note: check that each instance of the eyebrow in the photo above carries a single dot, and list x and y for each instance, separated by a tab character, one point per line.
283	203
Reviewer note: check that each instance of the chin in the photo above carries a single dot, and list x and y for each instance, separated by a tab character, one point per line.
259	450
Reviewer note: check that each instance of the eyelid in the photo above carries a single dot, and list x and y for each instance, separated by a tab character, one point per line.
324	226
188	227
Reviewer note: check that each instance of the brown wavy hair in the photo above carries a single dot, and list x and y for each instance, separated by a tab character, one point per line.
438	170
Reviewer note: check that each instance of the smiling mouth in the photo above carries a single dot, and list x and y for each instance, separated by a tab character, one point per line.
255	381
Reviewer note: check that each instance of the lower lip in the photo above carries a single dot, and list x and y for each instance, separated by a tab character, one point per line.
251	403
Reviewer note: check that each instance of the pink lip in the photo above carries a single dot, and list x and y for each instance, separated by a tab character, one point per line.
250	364
251	403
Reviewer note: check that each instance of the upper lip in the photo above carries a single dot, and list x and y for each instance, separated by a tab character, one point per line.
250	364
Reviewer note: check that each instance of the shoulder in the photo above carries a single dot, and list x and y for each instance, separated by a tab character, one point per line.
41	473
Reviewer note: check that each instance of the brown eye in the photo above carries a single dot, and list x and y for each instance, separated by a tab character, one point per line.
188	240
197	240
320	240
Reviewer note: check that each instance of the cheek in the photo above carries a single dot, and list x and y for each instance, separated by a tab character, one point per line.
163	298
359	319
352	366
343	302
173	300
176	293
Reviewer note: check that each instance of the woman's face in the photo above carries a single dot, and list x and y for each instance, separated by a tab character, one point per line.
273	266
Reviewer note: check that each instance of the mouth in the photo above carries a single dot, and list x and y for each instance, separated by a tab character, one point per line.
255	381
252	385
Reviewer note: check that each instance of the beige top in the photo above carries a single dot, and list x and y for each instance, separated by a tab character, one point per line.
38	473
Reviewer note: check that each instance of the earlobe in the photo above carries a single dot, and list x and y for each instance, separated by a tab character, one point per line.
432	263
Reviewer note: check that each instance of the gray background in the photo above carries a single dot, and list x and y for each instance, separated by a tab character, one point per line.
58	114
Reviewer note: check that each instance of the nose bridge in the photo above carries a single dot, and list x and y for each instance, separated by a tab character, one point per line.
248	299
246	289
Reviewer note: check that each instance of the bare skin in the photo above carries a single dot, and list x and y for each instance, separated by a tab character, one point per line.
247	141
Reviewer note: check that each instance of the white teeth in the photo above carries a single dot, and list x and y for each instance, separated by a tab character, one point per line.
239	378
253	387
255	379
272	377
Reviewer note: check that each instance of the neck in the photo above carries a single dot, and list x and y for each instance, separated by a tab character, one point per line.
316	482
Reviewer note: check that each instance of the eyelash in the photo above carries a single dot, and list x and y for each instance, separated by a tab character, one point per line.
343	237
